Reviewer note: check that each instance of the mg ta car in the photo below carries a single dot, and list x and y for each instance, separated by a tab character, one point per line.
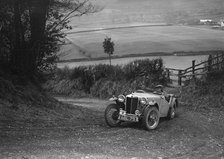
142	106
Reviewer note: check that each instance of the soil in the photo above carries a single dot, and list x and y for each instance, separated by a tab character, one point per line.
190	135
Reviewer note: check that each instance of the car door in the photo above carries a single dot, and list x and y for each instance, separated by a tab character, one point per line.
164	106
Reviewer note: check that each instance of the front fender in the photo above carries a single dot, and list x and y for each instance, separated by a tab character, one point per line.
113	98
151	104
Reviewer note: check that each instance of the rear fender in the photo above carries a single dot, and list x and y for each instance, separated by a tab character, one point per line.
174	100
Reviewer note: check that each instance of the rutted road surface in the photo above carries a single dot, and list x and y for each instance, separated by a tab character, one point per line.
189	135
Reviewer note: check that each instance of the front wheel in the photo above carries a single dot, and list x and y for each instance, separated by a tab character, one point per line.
111	115
151	118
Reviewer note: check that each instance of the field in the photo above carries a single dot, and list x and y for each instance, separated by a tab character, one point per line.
178	62
150	36
139	40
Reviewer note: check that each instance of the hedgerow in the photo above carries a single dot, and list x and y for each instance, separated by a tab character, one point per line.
106	80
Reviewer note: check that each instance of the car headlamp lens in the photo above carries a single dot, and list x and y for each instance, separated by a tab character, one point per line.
143	101
121	98
137	112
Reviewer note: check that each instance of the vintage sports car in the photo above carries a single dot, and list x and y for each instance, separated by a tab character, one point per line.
144	106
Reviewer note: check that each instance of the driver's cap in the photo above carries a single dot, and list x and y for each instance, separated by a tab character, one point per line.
159	86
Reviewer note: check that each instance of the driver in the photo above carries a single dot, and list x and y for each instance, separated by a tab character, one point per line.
159	90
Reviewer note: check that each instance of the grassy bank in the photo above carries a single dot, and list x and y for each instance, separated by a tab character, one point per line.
24	104
104	81
207	92
205	95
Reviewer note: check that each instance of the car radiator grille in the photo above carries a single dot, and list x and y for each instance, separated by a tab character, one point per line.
131	105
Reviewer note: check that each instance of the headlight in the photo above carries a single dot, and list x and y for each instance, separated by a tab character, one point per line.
137	112
143	101
121	98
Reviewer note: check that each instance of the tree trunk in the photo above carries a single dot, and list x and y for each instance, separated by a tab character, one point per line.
110	59
17	53
38	13
24	56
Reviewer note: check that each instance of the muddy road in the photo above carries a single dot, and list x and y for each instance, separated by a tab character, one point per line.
190	135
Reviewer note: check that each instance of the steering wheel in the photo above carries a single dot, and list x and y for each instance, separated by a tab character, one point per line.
140	91
157	92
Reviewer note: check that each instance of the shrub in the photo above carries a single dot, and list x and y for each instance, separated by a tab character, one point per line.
106	71
152	70
104	80
62	73
86	76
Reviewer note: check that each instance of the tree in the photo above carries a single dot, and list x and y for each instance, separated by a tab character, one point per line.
31	30
108	46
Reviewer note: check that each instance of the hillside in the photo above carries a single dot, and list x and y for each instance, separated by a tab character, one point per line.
129	11
121	15
141	40
206	95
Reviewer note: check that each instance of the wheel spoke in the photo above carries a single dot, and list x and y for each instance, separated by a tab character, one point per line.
152	118
114	115
111	115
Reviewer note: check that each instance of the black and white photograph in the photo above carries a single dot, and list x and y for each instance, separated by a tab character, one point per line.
111	79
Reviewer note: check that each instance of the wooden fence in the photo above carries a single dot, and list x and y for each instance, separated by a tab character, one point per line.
213	64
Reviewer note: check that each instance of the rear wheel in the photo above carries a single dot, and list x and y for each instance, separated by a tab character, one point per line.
111	115
151	118
172	111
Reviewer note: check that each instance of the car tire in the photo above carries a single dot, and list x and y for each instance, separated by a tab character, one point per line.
151	118
111	115
172	111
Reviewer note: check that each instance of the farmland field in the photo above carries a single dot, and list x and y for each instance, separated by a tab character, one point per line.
150	36
139	40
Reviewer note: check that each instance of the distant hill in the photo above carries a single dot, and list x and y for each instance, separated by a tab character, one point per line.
171	11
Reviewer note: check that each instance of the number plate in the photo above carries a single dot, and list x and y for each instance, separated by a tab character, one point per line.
128	117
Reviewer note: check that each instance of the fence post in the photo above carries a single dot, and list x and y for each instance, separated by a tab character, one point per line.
219	61
209	63
168	73
179	77
193	69
222	63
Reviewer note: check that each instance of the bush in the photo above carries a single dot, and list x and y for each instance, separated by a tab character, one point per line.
152	70
104	80
114	73
106	88
62	73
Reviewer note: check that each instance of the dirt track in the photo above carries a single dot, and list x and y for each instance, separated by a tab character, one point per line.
189	135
